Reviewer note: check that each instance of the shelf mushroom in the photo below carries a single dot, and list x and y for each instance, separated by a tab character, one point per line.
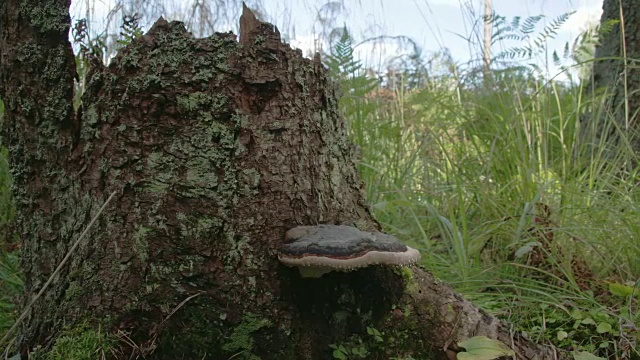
317	250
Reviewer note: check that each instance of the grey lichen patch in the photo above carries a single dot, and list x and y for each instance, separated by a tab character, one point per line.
129	58
29	56
249	181
251	263
163	170
191	165
188	265
203	75
78	208
201	230
209	137
141	243
336	176
90	119
239	249
200	174
158	270
156	186
74	291
46	15
169	273
150	287
156	219
26	105
241	121
167	63
193	101
146	83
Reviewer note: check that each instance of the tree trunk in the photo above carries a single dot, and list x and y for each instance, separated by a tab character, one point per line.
488	35
215	149
616	71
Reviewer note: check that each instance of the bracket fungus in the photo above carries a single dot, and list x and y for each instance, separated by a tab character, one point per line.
317	250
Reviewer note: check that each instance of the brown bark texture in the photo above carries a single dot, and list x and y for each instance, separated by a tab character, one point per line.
215	149
616	70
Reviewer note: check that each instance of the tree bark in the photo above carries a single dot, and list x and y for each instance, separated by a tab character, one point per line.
215	149
616	70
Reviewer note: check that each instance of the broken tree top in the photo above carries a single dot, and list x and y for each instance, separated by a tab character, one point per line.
339	247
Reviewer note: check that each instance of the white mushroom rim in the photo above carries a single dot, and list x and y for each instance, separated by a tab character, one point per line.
316	266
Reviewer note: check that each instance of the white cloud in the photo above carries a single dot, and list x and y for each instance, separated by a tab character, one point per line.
583	18
307	43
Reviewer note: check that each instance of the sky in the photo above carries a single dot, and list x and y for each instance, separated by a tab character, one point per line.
438	24
433	24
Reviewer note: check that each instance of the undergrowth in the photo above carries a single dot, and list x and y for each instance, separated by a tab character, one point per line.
511	194
10	276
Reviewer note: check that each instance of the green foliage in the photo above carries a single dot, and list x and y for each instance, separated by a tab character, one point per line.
130	29
623	290
524	31
483	348
457	169
10	287
10	275
354	351
357	348
96	47
570	327
580	53
81	343
241	341
583	355
354	84
520	31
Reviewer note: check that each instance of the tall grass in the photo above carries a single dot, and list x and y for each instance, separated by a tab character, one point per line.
460	172
10	276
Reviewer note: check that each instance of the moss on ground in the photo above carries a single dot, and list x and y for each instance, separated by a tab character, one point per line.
79	343
241	340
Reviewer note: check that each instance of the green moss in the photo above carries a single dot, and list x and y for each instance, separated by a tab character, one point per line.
241	340
409	282
79	343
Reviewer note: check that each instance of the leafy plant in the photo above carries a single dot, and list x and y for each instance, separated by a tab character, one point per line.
353	81
524	31
344	352
130	29
357	348
483	348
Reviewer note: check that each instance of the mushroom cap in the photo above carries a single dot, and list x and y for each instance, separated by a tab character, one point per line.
324	248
